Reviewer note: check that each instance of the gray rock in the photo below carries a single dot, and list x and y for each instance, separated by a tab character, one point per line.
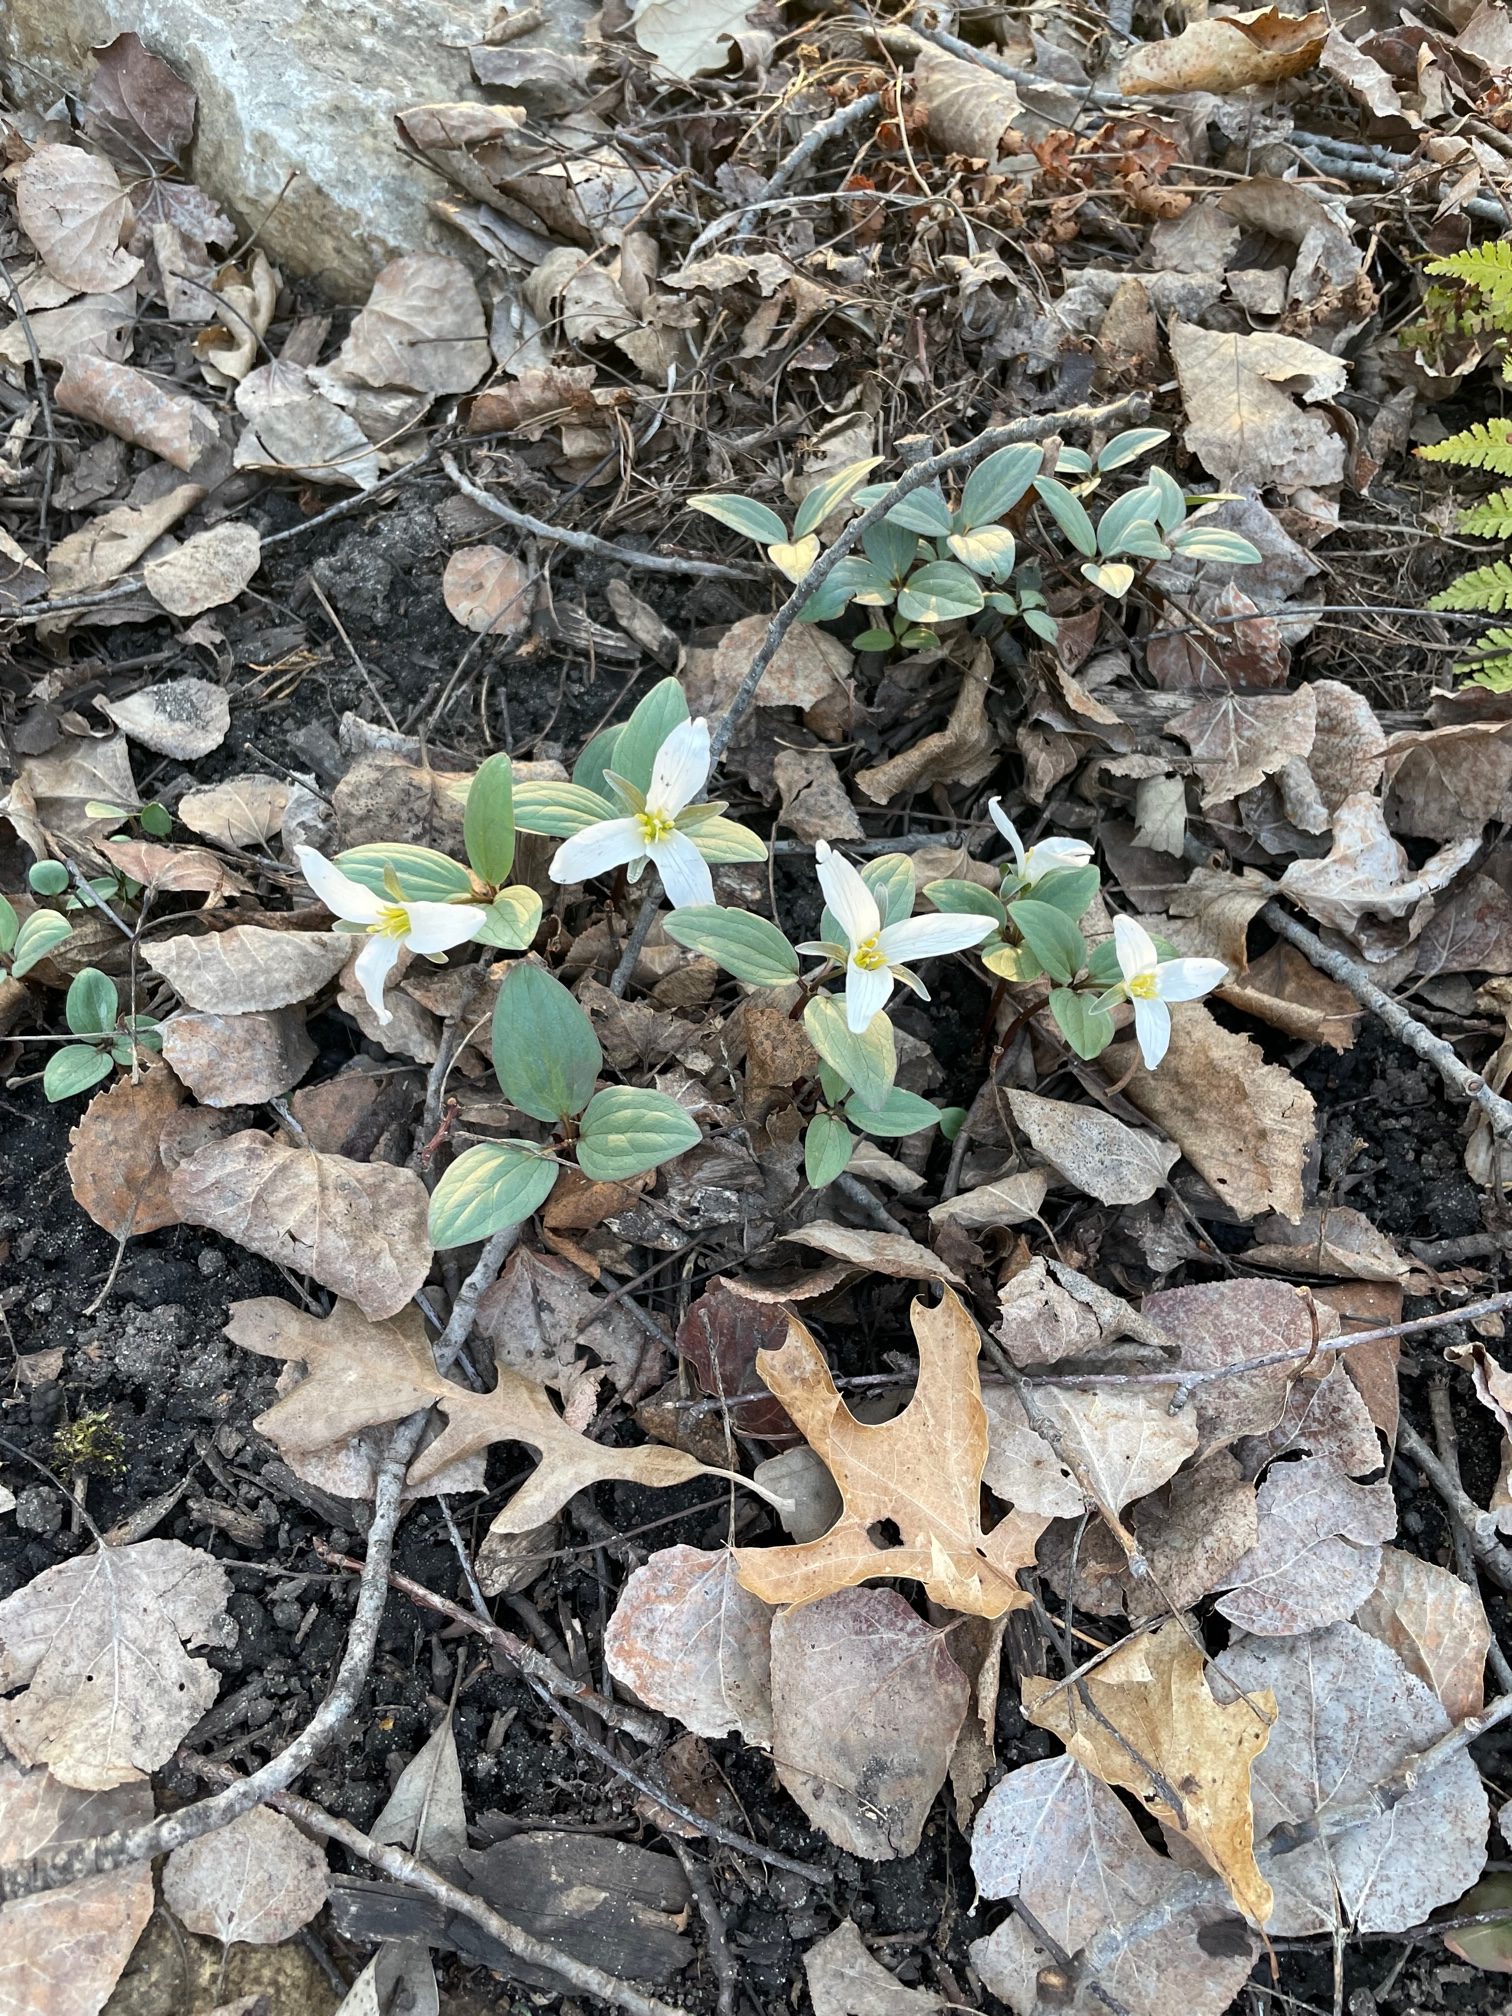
39	1509
301	89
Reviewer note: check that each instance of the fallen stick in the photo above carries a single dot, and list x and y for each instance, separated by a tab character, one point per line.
408	1869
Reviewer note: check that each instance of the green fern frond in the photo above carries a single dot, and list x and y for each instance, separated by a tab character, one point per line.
1491	666
1488	588
1491	518
1486	445
1487	266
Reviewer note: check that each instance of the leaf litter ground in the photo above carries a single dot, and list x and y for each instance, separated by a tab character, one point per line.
152	1355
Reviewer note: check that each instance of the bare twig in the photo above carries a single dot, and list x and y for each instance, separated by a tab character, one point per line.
738	223
417	1875
1493	1558
1407	1030
1037	428
619	979
716	1939
588	542
49	428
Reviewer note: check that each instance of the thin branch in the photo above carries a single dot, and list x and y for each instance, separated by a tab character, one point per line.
588	542
1493	1558
417	1875
1037	428
619	979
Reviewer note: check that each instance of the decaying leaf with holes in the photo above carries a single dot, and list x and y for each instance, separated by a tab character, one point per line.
920	1473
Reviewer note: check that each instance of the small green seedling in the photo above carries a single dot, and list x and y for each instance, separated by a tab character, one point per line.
23	945
92	1011
547	1060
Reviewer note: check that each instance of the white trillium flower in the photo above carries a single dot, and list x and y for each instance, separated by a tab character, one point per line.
874	955
1032	864
390	925
660	832
1149	983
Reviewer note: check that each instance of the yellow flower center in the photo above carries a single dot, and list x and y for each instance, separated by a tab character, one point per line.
869	956
392	921
1143	987
655	826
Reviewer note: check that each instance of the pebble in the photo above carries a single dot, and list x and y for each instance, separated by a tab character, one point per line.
39	1509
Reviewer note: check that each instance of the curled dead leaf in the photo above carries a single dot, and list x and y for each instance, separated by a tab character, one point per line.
1230	52
208	570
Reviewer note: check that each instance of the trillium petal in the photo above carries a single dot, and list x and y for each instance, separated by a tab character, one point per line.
374	964
1009	832
683	870
1045	856
847	896
931	936
340	894
437	927
866	991
1189	979
681	769
1135	947
907	977
1152	1027
612	843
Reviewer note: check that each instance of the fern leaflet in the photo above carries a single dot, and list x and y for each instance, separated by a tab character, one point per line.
1488	588
1487	267
1491	518
1491	667
1486	445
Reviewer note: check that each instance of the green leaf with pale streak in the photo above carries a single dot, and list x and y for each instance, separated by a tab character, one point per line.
664	708
827	1149
959	898
74	1069
1068	889
829	495
546	1056
748	947
514	917
898	1114
1129	446
997	484
721	840
559	810
1085	1026
627	1130
10	924
989	550
488	823
423	875
743	515
492	1186
1068	512
1051	937
868	1063
1214	542
42	933
942	592
597	757
92	1004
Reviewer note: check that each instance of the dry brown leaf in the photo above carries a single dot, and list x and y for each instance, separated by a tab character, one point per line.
359	1228
1331	1240
1092	1150
175	870
537	401
1350	1715
111	545
815	802
1243	423
240	812
844	1980
115	1161
1367	873
922	1472
487	589
1493	1389
1102	1448
208	570
878	1252
130	404
1040	1322
238	1060
182	717
422	329
249	967
867	1704
312	1431
258	1879
1449	783
541	1315
1192	1533
98	1644
425	1814
62	1951
960	754
293	429
1285	990
98	325
1012	1200
1244	1125
1053	1836
138	107
690	1642
1470	932
1437	1626
1317	1553
243	305
1325	1416
812	671
1229	52
1236	739
71	205
967	109
1145	1719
